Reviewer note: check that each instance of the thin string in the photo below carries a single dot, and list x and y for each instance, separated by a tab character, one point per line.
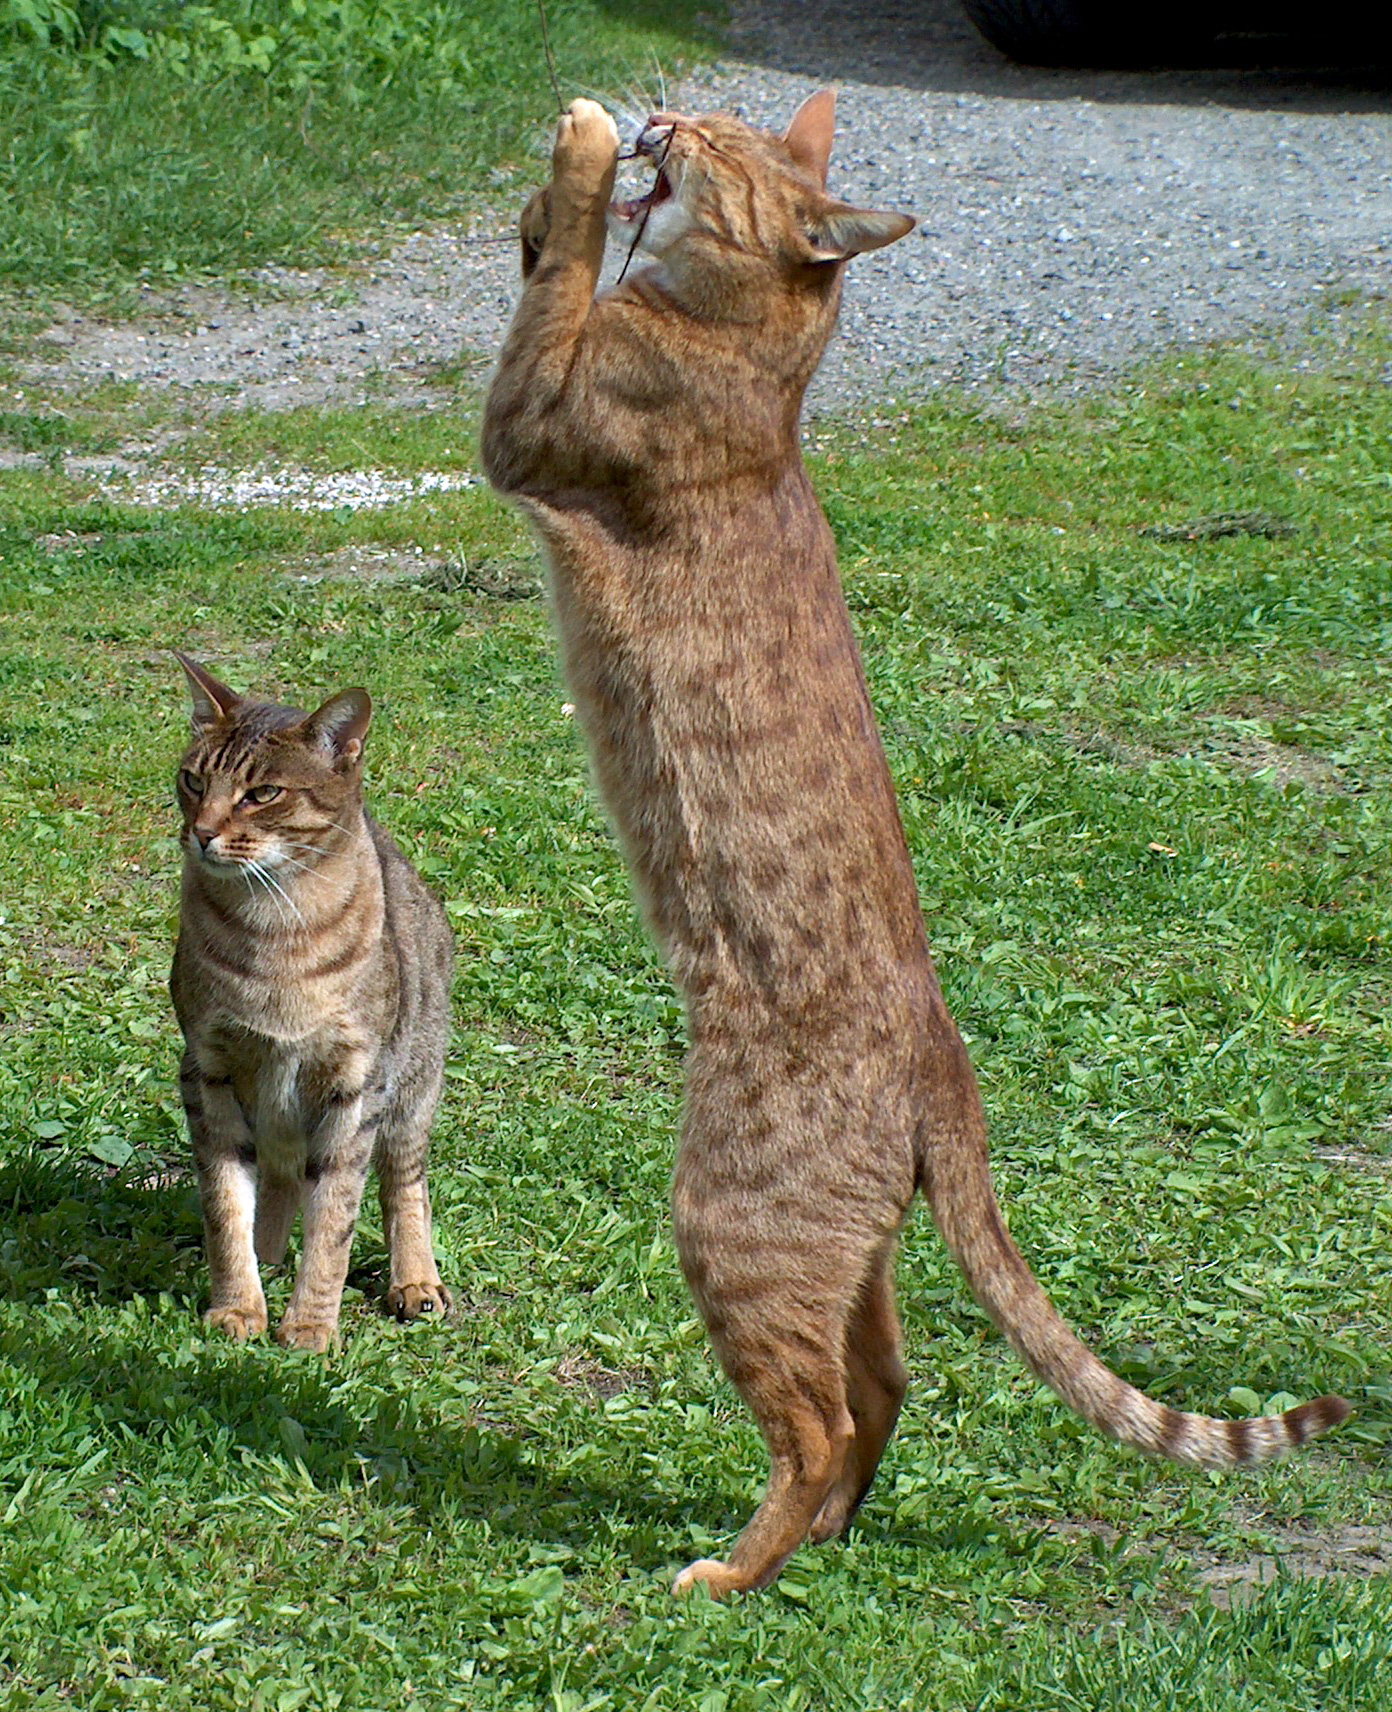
647	206
550	60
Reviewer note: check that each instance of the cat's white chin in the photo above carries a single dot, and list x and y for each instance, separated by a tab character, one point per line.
649	228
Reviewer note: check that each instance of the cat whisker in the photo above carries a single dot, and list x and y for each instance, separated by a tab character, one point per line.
629	110
276	887
252	870
275	892
269	889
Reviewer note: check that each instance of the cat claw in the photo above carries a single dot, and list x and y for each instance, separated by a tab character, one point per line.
316	1337
239	1323
408	1301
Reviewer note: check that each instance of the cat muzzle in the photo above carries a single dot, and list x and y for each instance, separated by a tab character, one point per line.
657	134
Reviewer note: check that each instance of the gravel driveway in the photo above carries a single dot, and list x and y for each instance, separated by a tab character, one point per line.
1069	223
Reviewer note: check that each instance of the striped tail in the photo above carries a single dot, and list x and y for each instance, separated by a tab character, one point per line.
958	1186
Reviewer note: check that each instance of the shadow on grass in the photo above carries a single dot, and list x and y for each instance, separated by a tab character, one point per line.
65	1225
69	1226
258	1420
69	1232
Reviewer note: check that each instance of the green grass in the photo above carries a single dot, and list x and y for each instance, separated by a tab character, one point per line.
1146	784
118	171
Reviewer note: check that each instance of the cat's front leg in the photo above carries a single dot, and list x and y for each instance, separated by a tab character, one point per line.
563	232
224	1155
335	1171
415	1286
584	161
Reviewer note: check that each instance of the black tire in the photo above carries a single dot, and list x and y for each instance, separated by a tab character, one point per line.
1074	32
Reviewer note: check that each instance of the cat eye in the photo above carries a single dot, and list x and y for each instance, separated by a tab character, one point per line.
191	783
263	793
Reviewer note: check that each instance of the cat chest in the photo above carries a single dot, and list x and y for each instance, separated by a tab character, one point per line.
285	1088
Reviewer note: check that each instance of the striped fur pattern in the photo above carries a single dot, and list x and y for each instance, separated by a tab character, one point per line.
311	981
651	434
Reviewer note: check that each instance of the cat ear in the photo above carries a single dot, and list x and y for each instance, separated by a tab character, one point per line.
340	726
839	231
809	136
212	700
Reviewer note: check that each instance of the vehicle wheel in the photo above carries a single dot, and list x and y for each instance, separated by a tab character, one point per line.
1071	32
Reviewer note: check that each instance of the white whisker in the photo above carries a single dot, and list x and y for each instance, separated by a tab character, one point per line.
290	902
257	871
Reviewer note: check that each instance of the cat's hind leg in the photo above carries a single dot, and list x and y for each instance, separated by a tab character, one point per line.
277	1202
791	1374
415	1287
776	1297
875	1387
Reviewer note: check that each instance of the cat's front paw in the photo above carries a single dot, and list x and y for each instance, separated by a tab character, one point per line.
317	1336
239	1323
587	148
409	1301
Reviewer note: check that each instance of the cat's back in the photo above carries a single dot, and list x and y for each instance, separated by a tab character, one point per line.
415	927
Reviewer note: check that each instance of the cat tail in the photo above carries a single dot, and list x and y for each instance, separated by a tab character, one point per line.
956	1179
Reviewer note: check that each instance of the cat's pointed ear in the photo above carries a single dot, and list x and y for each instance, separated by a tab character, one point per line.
212	700
839	231
809	136
340	726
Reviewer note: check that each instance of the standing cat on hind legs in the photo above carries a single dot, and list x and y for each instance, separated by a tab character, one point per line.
651	434
311	980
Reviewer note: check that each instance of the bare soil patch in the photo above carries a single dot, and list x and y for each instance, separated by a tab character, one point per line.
1299	1549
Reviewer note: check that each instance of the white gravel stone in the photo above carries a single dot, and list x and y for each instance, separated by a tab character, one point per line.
301	490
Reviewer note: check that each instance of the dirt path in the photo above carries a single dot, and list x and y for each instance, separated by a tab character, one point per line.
1069	223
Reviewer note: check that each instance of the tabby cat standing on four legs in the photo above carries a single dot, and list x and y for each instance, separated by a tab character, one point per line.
651	434
311	980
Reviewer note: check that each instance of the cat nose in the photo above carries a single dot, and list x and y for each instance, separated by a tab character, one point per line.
656	132
205	835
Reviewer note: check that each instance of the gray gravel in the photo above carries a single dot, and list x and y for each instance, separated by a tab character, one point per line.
1069	224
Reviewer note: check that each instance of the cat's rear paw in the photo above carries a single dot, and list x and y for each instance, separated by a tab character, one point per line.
717	1578
239	1323
317	1336
409	1301
834	1518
